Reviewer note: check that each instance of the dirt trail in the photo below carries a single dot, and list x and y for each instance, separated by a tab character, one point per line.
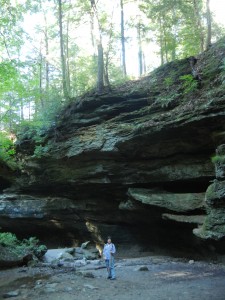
166	279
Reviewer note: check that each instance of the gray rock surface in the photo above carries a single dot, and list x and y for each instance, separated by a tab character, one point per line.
72	255
182	202
195	219
12	294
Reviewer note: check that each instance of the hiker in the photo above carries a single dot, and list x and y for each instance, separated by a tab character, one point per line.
108	254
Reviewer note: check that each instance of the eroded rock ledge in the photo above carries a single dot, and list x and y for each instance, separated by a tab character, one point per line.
129	163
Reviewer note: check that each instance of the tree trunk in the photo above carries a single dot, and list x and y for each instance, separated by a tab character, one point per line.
46	58
199	24
100	80
144	64
21	110
174	31
29	110
100	84
106	64
93	40
67	58
165	41
92	29
209	25
10	116
140	51
107	56
106	74
40	80
161	42
64	81
123	40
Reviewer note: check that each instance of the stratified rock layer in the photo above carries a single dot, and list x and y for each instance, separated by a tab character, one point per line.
181	202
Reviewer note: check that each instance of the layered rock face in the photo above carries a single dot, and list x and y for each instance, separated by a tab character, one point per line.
214	224
134	163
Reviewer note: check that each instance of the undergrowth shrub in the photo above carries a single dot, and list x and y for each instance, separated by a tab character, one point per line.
218	159
190	84
7	149
21	248
165	99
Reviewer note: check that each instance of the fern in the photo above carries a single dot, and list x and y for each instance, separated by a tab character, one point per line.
189	83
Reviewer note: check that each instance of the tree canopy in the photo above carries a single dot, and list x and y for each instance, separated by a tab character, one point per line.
53	51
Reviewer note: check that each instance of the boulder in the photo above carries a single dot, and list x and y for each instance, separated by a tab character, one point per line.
85	245
79	250
80	263
11	294
65	257
142	268
10	258
53	255
90	255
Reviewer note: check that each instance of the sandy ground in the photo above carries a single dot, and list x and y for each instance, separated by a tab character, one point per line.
166	279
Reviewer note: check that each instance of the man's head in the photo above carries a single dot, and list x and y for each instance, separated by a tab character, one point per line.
109	240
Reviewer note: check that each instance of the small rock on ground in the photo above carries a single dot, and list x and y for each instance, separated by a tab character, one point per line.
142	268
11	294
91	287
88	274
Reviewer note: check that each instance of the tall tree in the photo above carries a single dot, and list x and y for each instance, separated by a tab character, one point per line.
62	53
123	38
100	81
40	78
198	23
140	51
47	67
209	24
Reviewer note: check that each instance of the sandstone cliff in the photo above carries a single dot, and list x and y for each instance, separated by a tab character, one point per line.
134	163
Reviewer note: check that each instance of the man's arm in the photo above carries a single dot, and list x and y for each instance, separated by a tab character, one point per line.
113	250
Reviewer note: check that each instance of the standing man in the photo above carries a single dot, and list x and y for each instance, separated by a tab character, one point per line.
108	254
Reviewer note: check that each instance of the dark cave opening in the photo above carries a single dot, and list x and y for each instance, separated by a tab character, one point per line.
179	186
4	184
158	237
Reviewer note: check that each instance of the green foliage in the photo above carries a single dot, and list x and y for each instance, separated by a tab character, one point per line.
11	32
8	239
30	130
116	75
170	22
7	150
40	151
18	247
34	131
168	82
84	74
31	77
32	245
218	159
189	83
222	75
166	99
